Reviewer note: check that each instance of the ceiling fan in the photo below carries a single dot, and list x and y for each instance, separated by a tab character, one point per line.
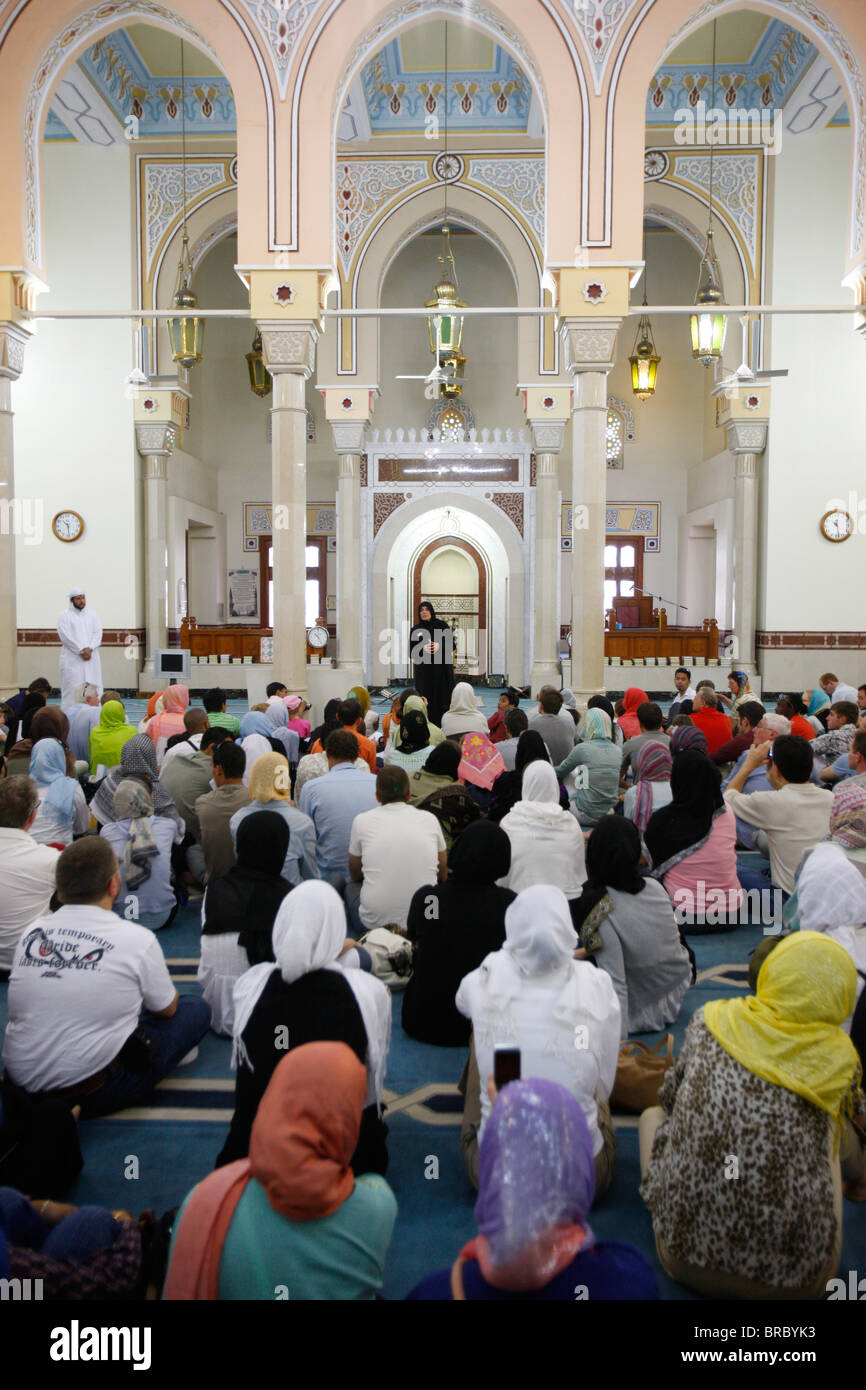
744	376
443	374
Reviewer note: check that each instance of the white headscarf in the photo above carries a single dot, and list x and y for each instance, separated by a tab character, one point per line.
75	593
308	934
463	699
831	897
255	746
540	940
540	784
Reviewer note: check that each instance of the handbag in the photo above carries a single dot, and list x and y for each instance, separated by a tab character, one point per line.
640	1071
391	955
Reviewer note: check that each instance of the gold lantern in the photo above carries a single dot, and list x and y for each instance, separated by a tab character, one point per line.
644	360
260	378
185	329
708	327
445	325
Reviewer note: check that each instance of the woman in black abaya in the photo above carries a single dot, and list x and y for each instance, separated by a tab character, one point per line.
431	645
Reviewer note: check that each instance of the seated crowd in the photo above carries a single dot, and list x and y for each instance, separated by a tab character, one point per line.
529	882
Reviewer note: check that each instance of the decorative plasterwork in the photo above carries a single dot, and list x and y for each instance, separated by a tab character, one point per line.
518	182
598	22
511	503
364	188
13	341
348	436
547	436
102	17
624	409
222	228
115	69
746	437
280	24
289	349
155	439
680	224
765	81
384	503
588	346
735	187
808	16
400	101
163	194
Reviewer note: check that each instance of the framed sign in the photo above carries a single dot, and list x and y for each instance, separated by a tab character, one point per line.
244	594
621	519
258	519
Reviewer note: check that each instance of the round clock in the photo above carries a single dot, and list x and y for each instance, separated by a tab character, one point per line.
67	526
318	637
837	525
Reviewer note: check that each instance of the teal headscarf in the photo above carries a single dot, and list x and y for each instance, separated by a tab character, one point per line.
596	724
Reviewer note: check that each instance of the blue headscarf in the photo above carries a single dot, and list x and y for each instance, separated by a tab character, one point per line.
820	700
48	769
256	723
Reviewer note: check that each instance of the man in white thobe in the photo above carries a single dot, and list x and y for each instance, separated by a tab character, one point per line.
80	633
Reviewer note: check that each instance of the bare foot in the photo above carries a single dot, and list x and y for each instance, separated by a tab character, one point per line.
855	1191
76	1112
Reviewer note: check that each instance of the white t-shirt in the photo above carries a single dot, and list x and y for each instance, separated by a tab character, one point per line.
77	987
399	848
552	1049
27	872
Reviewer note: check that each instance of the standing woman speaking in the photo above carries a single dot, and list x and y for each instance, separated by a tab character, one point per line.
431	645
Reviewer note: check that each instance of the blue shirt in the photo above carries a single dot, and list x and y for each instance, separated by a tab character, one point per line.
332	802
300	860
610	1270
757	781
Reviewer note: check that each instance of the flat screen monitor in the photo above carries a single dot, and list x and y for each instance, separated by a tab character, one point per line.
173	662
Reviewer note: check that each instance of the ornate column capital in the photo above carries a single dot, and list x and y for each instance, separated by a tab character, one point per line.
589	345
13	341
155	440
547	436
746	436
348	436
289	346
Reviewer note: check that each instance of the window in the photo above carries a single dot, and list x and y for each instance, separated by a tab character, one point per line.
623	569
315	588
613	438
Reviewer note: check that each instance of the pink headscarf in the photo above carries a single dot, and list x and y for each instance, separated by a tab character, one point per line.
480	763
628	720
654	763
175	702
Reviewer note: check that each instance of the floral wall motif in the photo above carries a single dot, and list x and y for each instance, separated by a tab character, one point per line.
767	80
735	187
280	24
511	503
384	503
519	182
163	196
364	187
598	22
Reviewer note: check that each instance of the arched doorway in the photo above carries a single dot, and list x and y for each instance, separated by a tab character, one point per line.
452	574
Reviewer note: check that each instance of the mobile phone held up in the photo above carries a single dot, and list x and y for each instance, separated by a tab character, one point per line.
506	1065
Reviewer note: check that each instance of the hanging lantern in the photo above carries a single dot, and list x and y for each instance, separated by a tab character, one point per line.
185	330
445	325
260	378
644	361
708	327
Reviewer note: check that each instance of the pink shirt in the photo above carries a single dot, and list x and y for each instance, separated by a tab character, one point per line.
302	727
712	869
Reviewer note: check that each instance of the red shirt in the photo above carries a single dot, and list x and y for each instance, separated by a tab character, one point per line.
496	725
715	726
801	726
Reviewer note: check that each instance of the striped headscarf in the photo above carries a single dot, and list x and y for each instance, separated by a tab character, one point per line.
848	817
597	724
654	763
687	736
133	802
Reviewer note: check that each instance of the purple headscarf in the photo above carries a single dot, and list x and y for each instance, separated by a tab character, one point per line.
654	763
536	1184
687	736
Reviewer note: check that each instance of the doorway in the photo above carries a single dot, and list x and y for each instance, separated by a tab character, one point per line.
451	573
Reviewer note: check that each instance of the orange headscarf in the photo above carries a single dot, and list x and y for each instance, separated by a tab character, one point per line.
174	704
628	720
303	1137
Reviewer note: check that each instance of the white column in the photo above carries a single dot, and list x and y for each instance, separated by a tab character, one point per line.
589	350
13	341
547	437
348	440
289	354
746	441
155	444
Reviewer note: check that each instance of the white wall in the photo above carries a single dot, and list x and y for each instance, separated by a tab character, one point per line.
74	440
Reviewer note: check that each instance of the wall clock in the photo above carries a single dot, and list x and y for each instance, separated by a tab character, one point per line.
68	526
836	525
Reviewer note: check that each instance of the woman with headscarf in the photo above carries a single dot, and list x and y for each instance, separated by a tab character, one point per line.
46	722
596	763
269	785
848	823
481	764
536	1185
362	695
506	790
686	738
293	1216
628	720
454	925
309	995
137	762
627	927
740	691
463	715
107	738
830	897
569	704
534	995
175	703
547	844
142	843
155	706
762	1093
62	811
277	716
391	721
692	845
651	789
409	703
431	643
413	746
238	912
603	703
256	739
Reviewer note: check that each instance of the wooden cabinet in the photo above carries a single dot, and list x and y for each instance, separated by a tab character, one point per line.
236	642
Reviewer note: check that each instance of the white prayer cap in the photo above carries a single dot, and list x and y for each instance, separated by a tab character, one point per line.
76	593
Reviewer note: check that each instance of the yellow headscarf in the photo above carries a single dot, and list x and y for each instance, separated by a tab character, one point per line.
415	702
361	695
269	778
788	1032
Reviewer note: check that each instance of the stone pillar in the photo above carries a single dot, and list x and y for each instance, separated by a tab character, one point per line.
746	440
13	340
349	446
547	437
589	350
155	443
289	350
